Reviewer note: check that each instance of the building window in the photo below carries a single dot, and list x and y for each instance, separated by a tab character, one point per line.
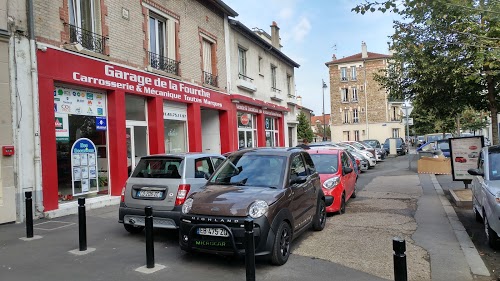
394	114
242	61
162	50
343	73
247	131
395	133
346	116
289	86
356	135
346	136
354	94
271	129
260	65
355	116
84	25
273	79
353	73
345	94
209	76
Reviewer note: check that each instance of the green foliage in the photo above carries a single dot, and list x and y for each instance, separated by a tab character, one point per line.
473	120
304	130
320	129
446	56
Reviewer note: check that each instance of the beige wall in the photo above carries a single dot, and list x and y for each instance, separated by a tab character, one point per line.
128	38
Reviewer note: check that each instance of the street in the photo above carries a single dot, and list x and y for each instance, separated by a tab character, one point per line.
356	245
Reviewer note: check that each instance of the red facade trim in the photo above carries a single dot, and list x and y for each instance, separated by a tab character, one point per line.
155	125
117	132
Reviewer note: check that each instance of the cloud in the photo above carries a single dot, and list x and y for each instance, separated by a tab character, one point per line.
301	30
285	13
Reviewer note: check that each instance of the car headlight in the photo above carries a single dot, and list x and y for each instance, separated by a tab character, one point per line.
187	205
258	209
331	182
497	197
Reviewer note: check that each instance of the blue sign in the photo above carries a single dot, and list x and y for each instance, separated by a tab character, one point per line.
100	124
83	145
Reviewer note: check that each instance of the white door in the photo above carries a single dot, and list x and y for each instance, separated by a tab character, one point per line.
7	199
210	131
137	142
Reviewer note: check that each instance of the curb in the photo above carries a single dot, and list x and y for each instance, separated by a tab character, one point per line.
476	264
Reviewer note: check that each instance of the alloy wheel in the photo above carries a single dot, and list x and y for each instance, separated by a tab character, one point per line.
285	242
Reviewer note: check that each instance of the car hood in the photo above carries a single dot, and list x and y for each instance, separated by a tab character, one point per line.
229	200
493	186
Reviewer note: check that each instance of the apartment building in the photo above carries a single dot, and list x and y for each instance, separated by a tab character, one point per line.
262	87
360	108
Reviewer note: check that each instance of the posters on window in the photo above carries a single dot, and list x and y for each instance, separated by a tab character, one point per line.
84	167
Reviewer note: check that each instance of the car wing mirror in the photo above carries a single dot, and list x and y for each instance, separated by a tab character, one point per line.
206	176
475	172
298	180
346	170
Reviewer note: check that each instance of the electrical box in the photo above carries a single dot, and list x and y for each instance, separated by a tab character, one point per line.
7	150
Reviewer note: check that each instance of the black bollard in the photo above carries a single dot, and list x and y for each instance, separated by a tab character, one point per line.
29	214
249	250
399	247
82	224
150	250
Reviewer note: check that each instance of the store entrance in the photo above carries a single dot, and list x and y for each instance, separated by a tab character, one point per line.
137	143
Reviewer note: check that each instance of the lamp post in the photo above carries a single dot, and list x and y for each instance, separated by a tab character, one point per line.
324	117
366	101
407	107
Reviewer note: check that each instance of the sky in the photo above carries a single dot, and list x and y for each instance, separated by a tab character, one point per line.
312	31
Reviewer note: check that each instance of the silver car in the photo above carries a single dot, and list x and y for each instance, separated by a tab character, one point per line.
486	193
163	182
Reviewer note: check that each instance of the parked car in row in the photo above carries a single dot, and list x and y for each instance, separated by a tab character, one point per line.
362	146
163	182
338	178
372	161
486	193
401	148
379	150
277	188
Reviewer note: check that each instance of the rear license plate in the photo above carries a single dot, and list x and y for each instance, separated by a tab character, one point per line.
149	194
221	232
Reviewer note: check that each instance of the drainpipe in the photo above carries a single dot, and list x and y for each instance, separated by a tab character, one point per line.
36	121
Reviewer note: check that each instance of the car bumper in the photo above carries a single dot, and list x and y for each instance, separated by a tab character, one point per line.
161	219
335	194
190	240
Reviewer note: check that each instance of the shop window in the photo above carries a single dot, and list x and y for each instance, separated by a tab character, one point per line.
80	114
271	131
135	108
175	136
247	130
84	25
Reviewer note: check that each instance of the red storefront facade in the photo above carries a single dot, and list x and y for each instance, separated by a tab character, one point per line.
58	68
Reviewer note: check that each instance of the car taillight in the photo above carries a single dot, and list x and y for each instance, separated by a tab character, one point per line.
122	197
358	162
182	193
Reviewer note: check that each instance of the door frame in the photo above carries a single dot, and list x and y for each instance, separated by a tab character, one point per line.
131	124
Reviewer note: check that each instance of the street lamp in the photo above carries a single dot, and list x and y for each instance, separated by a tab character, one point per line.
324	117
366	101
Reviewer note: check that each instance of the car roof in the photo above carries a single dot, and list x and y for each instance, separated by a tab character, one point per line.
325	150
182	155
269	151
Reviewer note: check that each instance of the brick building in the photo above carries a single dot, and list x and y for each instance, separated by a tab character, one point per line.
360	108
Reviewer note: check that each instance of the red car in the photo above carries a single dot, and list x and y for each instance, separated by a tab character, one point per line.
337	175
460	159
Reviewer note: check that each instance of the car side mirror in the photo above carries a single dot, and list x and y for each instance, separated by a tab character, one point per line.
346	170
475	172
206	176
298	180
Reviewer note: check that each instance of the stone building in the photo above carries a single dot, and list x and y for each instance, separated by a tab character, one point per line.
360	108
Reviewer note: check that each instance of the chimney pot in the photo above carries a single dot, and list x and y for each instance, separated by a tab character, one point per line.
275	35
364	52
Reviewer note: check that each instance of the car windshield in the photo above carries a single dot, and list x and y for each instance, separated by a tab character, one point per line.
357	145
168	168
251	170
494	166
325	163
443	145
432	138
372	143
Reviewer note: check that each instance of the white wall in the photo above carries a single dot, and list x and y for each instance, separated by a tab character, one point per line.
210	131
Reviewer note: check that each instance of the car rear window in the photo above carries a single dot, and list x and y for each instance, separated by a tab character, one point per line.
167	168
325	163
494	166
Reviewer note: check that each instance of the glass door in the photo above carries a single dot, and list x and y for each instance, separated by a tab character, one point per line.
137	145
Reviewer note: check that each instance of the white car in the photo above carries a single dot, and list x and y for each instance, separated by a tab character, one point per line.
486	193
372	161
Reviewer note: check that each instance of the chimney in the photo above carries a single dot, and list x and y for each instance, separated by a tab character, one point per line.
364	53
275	35
299	100
334	57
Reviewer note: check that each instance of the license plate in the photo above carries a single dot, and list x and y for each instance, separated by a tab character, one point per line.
221	232
149	194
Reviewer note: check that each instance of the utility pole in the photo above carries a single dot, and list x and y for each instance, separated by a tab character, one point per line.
366	101
324	117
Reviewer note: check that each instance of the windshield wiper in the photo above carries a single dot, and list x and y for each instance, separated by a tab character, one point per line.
240	183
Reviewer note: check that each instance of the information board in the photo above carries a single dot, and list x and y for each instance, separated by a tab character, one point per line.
464	153
84	167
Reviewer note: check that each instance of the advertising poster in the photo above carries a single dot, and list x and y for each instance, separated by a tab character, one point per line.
62	127
85	172
71	101
85	185
76	159
77	174
84	160
91	159
84	166
464	153
92	172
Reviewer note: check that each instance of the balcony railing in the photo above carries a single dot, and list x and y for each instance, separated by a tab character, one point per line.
276	90
89	40
163	63
210	79
244	77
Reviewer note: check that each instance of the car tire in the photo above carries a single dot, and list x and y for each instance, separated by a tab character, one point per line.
282	243
491	235
319	219
353	195
478	215
342	204
133	229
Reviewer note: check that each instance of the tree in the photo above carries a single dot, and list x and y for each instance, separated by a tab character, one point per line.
446	55
320	128
304	130
473	120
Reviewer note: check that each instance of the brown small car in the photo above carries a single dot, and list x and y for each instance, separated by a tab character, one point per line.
278	188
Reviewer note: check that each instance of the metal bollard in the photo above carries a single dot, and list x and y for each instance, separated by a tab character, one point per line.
150	250
29	214
249	250
399	247
82	224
